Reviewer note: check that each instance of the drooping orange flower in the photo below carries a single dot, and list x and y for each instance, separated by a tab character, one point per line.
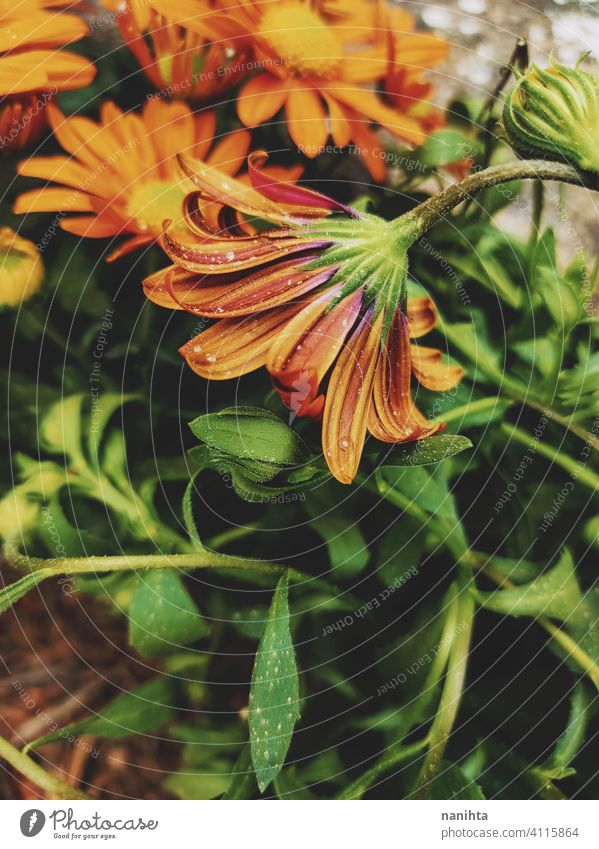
319	62
121	174
320	296
32	68
179	62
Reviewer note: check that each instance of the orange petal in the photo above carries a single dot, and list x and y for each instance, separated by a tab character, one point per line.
422	316
236	295
430	370
260	99
394	416
52	200
303	353
368	103
236	346
349	400
306	121
367	146
230	153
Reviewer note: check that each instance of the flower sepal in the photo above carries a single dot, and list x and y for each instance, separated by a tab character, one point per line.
553	113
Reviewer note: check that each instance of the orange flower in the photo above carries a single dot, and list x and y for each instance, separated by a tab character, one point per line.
322	294
319	62
30	36
412	53
121	172
22	121
179	62
32	68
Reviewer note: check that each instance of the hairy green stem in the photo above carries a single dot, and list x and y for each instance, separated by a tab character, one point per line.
30	769
196	560
436	208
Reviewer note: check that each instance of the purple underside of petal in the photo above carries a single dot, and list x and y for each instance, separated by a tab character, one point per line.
290	193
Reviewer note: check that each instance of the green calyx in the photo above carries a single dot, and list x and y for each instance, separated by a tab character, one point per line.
370	254
553	113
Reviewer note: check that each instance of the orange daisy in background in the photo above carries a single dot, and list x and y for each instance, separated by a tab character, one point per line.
32	68
320	63
411	54
121	174
321	296
178	62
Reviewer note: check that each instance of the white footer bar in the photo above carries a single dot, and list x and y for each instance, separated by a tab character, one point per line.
301	824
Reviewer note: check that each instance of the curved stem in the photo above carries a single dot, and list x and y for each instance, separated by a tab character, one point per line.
128	562
197	560
452	691
34	772
576	468
436	208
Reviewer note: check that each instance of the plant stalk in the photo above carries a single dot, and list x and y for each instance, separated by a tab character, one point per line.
30	769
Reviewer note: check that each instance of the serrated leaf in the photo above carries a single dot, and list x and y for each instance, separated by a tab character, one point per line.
144	709
555	593
162	614
274	695
425	452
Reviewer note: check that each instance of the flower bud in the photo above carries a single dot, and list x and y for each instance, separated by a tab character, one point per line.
21	269
553	113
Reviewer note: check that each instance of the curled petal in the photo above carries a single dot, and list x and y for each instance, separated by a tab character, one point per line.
212	256
301	356
430	370
349	399
231	192
270	287
422	316
394	417
236	346
312	203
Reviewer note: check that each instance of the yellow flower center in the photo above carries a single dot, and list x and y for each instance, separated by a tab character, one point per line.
152	202
299	36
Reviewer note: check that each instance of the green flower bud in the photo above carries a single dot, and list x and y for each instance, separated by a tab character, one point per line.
553	113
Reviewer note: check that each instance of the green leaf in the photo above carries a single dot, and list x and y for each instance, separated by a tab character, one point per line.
162	615
63	539
425	452
13	592
347	548
250	433
444	147
142	710
274	695
555	593
557	765
60	429
100	417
